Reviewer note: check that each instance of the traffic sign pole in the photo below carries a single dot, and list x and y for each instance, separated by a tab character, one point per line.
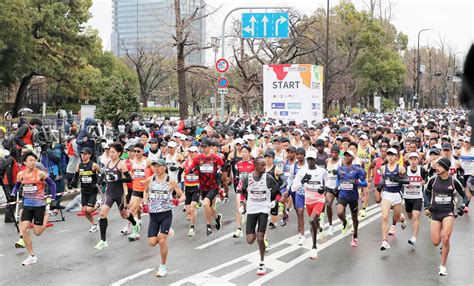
223	38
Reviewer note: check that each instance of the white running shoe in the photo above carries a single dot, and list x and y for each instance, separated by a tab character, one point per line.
94	228
29	260
384	245
443	271
314	254
191	232
262	270
161	271
393	230
403	224
237	233
331	230
126	229
301	240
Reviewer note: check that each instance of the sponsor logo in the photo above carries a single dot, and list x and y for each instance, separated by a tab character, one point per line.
283	113
278	105
294	105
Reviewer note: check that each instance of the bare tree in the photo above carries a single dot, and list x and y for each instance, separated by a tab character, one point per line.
186	44
151	68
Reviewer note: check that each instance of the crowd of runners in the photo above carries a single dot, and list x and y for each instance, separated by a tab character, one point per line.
410	163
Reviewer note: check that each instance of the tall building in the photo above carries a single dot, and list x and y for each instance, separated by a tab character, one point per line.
150	25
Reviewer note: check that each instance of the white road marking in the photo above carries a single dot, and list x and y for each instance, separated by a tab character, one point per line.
65	230
131	277
277	266
229	235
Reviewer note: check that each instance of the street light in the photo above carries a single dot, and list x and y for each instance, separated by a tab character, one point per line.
454	74
215	43
418	97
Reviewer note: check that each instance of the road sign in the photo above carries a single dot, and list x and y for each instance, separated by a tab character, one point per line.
265	25
222	90
222	65
222	82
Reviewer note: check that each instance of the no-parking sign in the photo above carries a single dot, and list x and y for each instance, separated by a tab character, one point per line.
222	82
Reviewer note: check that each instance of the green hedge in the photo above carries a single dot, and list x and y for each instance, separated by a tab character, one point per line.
160	110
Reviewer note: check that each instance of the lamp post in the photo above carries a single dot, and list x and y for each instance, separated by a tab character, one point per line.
454	74
215	43
418	80
326	68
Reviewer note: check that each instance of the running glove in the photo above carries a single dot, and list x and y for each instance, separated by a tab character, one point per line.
175	202
305	179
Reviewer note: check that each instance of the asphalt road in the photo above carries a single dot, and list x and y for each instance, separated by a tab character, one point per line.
66	256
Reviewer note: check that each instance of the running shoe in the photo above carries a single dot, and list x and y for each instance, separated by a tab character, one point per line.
191	232
208	231
301	240
466	209
267	243
101	244
20	243
94	228
393	230
284	220
314	254
29	260
242	208
443	271
199	205
134	235
412	241
281	208
244	218
331	230
161	271
262	270
354	242
271	225
403	223
226	199
322	218
384	245
218	221
345	229
238	233
362	213
126	229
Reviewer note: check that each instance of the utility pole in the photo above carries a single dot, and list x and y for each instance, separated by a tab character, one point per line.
418	74
326	68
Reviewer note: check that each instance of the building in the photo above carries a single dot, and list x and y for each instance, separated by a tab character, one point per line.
150	25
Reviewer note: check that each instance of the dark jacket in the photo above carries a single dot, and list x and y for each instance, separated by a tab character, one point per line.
84	133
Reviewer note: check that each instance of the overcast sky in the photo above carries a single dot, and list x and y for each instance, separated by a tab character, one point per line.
452	20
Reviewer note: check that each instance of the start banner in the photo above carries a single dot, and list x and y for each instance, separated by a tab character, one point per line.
293	92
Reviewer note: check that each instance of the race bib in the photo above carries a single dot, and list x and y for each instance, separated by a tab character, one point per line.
206	168
257	196
158	195
138	174
192	177
347	186
442	199
30	189
86	180
313	186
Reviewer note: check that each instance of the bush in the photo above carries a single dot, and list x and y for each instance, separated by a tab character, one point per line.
160	110
387	104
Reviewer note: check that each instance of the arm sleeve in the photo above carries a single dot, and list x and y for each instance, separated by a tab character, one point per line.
16	188
428	193
362	180
125	177
290	178
284	182
296	185
272	185
52	187
19	134
459	188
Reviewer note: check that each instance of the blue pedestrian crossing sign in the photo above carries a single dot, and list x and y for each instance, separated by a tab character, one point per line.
265	25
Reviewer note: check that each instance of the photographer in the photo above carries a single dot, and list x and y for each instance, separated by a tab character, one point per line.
24	135
86	136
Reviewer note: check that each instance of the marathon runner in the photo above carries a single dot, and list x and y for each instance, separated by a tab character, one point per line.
440	207
191	188
116	175
333	163
88	172
244	168
313	179
159	199
36	209
260	187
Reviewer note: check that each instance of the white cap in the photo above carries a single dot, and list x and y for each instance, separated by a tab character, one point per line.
364	137
392	151
457	128
183	137
172	144
350	153
413	154
267	128
177	134
411	129
277	134
311	154
468	128
105	145
415	124
239	141
251	137
299	131
193	149
411	134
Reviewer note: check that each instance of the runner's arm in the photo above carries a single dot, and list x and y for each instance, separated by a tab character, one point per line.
428	193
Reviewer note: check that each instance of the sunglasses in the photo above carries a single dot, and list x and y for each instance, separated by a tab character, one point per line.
137	151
